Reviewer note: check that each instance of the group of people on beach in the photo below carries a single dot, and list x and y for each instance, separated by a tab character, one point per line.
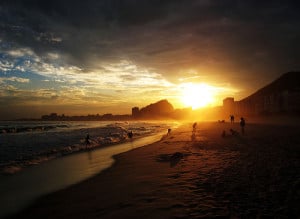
232	131
242	123
130	134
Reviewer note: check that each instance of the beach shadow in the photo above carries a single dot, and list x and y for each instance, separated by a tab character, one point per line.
173	159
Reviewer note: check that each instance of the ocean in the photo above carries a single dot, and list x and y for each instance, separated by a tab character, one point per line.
37	158
28	143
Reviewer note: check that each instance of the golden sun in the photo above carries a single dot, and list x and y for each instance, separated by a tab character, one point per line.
197	95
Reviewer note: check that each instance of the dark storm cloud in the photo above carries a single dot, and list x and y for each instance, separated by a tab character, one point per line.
242	37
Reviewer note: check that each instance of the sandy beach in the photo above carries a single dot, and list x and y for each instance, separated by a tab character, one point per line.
186	175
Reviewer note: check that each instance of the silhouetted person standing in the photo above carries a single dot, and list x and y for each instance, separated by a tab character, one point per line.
130	134
232	118
242	124
87	140
169	131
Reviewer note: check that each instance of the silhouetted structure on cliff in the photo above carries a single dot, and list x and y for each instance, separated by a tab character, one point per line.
280	96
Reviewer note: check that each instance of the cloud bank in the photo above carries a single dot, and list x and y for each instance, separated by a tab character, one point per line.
107	48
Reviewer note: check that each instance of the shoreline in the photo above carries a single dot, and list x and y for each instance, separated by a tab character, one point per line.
79	146
212	176
20	189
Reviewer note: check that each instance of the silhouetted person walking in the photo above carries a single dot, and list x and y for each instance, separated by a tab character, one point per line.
242	124
194	126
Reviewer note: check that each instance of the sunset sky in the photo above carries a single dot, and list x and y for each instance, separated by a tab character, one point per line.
106	56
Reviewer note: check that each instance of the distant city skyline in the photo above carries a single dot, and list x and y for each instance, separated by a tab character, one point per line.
88	57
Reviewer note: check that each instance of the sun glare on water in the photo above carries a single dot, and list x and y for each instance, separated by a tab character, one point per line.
197	95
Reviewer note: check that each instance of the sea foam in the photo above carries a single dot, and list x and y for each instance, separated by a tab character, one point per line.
30	143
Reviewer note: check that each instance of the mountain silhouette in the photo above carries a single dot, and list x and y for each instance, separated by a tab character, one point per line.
161	108
280	96
288	82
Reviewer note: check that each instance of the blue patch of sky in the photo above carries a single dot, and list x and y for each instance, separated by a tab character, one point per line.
36	80
21	62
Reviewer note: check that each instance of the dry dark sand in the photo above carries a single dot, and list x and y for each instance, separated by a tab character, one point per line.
256	175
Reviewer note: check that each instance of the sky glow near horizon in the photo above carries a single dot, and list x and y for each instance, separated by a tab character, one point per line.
114	82
107	56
